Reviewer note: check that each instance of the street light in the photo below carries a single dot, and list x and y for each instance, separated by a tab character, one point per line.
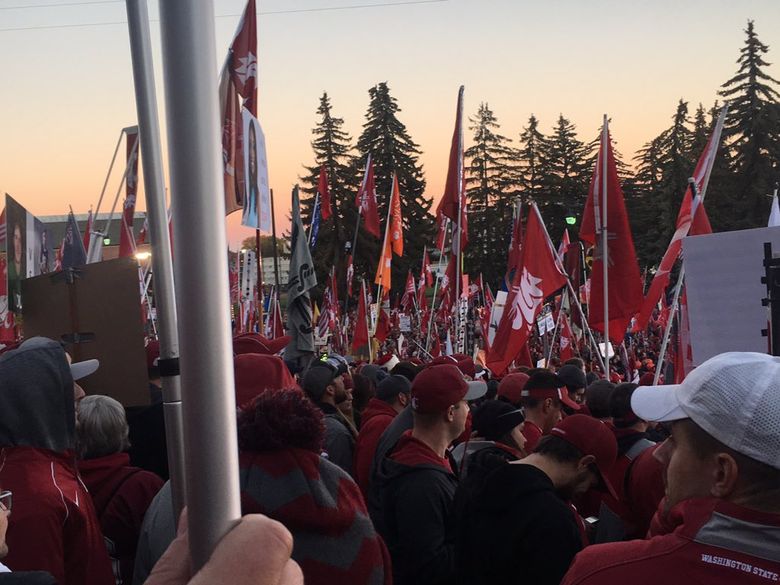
571	219
143	255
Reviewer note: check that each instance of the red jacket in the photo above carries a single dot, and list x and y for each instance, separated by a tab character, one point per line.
121	495
376	418
532	434
53	526
718	543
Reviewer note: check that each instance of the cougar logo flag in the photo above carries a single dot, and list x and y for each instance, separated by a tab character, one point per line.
625	281
126	237
537	277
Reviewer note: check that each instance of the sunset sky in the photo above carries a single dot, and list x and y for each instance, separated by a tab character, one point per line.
67	91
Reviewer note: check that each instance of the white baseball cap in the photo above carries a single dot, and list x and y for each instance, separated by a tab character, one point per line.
734	397
83	369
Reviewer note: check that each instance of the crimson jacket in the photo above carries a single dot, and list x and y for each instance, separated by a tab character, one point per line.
532	434
376	418
718	543
121	494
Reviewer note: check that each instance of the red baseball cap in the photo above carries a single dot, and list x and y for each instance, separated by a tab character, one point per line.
464	363
592	437
511	387
440	386
545	384
255	373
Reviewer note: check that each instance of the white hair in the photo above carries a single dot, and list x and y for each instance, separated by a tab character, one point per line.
102	427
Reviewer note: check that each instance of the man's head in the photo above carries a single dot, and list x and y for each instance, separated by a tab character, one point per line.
496	420
395	391
543	397
597	396
440	398
323	382
725	430
574	378
582	450
623	417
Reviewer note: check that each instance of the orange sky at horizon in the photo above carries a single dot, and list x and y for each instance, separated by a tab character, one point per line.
69	91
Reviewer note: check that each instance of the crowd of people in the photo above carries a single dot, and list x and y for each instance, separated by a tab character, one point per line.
405	472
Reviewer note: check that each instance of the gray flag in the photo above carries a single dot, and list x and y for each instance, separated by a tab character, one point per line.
302	278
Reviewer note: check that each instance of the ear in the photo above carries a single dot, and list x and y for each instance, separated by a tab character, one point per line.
547	405
584	463
403	398
330	390
726	474
450	414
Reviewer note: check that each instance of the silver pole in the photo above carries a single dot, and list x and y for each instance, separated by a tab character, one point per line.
103	191
605	240
157	214
460	335
194	150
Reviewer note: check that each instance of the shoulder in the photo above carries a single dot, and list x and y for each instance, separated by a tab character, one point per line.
609	563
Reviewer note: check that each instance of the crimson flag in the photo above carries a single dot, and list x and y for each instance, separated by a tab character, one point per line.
322	188
701	222
538	276
683	227
453	202
625	280
360	336
407	299
126	237
565	243
382	325
366	200
435	342
566	351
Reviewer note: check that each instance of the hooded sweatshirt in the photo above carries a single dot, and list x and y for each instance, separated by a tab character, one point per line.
416	489
53	527
376	418
521	530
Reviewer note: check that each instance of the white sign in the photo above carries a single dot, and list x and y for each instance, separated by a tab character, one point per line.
495	314
610	351
405	323
257	202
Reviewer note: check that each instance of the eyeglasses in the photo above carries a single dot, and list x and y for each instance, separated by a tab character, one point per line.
6	500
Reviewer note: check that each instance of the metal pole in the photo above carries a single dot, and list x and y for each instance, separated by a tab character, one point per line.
276	250
435	290
210	439
103	190
555	334
672	311
459	339
162	265
313	218
605	238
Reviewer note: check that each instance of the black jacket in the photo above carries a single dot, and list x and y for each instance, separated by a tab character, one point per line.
516	530
339	440
417	521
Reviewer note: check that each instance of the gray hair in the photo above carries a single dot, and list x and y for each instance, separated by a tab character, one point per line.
102	427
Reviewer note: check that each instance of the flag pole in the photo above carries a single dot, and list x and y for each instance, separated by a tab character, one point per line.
382	253
276	249
555	333
197	189
314	212
605	238
162	264
460	339
436	288
103	190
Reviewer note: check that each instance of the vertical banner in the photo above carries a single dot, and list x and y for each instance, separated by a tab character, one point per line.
257	202
126	236
16	252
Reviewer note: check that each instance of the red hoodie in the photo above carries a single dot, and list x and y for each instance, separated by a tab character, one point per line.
376	418
717	542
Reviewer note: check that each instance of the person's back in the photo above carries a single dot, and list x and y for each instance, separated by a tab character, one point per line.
721	514
53	526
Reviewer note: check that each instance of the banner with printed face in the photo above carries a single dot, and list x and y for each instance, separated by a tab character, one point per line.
257	203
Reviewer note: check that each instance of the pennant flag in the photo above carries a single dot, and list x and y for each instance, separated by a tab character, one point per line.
314	228
366	200
396	220
126	237
538	276
88	230
360	336
565	243
302	278
73	252
701	223
322	189
237	88
384	270
453	203
408	299
566	351
625	280
683	227
774	215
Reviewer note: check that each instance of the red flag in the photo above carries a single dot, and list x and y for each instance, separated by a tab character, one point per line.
435	342
515	242
625	281
237	88
396	220
406	300
565	243
350	275
441	236
366	200
360	336
537	277
322	188
683	227
447	284
126	237
88	230
453	202
701	222
566	352
427	270
382	325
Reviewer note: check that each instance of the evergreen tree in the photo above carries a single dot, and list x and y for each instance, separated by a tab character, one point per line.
392	150
567	162
529	161
490	194
331	145
752	132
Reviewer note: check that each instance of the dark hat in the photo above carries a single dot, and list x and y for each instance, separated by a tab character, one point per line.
546	384
438	387
374	373
494	419
407	368
597	397
572	376
592	437
391	386
512	386
317	379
